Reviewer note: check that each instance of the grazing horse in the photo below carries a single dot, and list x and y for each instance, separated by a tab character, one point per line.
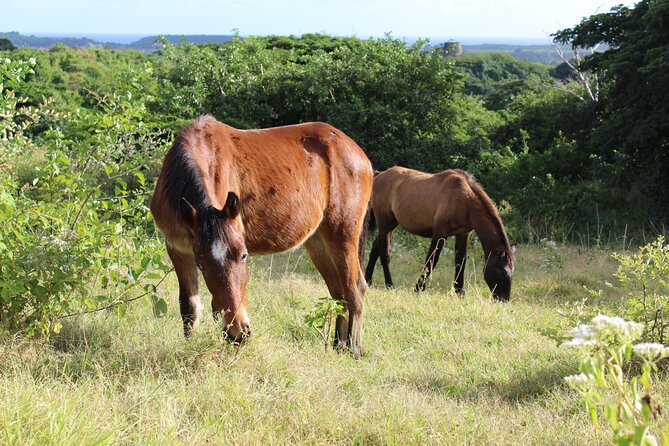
440	205
224	194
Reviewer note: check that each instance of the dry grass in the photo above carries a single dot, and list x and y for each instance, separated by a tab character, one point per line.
437	369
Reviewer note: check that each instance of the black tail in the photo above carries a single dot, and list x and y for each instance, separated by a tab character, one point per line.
368	225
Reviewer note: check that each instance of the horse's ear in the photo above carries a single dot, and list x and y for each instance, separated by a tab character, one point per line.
231	207
513	248
188	213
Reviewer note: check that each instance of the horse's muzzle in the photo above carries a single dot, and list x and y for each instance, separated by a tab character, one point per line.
501	297
239	338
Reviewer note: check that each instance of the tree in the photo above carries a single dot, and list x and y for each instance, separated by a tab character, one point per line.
6	45
633	128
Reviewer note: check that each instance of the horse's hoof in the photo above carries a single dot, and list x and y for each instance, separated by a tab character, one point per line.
339	346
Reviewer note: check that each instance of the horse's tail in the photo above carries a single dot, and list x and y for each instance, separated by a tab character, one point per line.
368	226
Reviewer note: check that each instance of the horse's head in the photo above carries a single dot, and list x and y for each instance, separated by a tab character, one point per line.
220	253
499	271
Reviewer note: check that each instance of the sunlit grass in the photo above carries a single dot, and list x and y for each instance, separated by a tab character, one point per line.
436	368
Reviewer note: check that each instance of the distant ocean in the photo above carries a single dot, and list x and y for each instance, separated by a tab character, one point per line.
130	38
483	40
105	38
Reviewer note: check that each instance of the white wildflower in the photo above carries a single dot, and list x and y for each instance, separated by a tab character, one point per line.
582	336
55	241
615	326
583	331
651	351
604	329
580	380
580	342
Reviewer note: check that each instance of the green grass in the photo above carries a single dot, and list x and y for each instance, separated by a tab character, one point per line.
436	369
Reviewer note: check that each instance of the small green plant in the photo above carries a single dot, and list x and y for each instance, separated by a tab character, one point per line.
323	316
573	314
551	258
644	277
628	404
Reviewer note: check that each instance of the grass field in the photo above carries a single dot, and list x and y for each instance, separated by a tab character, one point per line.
436	369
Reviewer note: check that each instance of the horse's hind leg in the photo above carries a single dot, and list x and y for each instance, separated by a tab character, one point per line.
461	242
373	257
380	249
385	258
189	300
349	330
318	252
430	261
337	260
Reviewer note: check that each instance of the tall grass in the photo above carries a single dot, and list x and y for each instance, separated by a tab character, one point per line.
436	369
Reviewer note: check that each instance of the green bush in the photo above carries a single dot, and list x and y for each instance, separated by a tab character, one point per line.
644	277
78	235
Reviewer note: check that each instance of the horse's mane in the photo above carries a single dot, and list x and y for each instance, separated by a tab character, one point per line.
489	206
183	179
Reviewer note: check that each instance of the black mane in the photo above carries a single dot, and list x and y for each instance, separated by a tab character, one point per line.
183	181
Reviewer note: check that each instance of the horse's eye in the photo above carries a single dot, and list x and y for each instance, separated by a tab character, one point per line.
199	266
244	256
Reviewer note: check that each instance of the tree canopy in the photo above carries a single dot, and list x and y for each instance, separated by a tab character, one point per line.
632	127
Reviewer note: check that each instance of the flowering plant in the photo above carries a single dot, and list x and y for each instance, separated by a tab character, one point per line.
606	346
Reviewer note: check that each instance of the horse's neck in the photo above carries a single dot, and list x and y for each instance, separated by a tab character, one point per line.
490	233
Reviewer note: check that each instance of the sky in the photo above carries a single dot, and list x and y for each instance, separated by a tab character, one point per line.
361	18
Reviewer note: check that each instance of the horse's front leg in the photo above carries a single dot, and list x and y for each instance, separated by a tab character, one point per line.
461	242
430	261
189	300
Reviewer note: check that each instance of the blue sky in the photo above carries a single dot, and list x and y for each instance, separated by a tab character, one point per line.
362	18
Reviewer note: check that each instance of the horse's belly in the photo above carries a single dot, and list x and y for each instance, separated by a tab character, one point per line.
282	225
416	226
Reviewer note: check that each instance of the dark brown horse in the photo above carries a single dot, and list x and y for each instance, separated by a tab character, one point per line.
440	205
224	194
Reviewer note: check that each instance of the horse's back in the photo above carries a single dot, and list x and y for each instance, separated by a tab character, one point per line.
421	202
311	165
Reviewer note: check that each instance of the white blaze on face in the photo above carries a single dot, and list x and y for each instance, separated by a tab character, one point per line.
218	250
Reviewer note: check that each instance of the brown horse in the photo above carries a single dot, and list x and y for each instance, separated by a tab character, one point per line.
440	205
224	194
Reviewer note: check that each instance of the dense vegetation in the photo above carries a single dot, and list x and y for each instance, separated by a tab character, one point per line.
551	156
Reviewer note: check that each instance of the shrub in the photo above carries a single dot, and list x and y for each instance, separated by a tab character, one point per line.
644	277
78	234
